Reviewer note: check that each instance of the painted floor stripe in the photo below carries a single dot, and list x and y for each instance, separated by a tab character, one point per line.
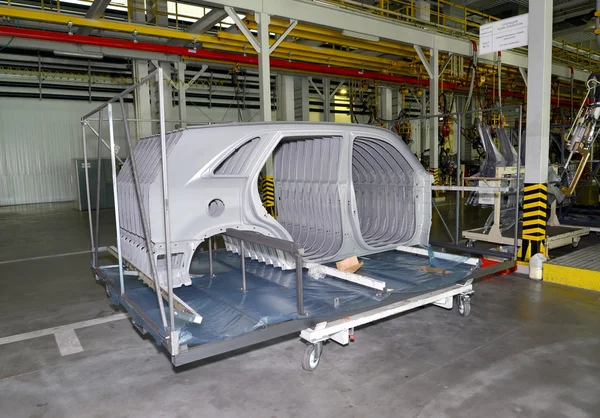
56	330
67	342
45	256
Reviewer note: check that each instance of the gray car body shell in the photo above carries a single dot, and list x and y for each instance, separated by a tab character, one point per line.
341	190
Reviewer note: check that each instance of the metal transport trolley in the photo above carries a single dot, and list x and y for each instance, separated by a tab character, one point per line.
231	301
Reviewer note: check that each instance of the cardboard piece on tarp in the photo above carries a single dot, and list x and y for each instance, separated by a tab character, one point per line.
349	265
428	269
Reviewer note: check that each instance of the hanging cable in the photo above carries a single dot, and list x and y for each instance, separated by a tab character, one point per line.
473	76
12	37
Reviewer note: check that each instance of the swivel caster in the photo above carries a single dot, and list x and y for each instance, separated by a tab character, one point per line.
312	356
463	304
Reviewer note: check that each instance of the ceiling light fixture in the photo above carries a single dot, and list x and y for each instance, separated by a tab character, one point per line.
359	35
77	54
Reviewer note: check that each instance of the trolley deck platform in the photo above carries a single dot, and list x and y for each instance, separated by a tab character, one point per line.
234	319
557	236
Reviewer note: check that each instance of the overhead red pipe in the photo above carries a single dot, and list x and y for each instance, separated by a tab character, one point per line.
209	55
224	57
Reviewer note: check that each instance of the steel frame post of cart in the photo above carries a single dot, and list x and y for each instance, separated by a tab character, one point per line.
503	34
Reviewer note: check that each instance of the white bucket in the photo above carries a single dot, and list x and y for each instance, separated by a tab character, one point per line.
536	266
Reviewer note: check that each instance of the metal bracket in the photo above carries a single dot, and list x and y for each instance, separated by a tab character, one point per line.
195	77
243	28
284	35
523	72
450	56
335	90
322	93
165	75
424	60
446	303
86	123
319	92
342	337
174	343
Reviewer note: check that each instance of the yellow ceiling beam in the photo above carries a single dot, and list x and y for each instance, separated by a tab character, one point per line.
327	35
104	24
301	56
224	38
383	62
338	40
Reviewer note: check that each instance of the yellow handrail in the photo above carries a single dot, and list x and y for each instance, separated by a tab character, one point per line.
564	52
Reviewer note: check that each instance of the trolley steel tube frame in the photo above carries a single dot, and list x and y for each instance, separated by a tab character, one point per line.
288	246
87	188
98	179
113	163
157	76
518	184
210	260
141	208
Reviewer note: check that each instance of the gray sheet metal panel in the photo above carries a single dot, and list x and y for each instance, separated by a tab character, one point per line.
506	147
319	206
493	157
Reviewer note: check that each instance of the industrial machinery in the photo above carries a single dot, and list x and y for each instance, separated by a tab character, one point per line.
583	132
500	166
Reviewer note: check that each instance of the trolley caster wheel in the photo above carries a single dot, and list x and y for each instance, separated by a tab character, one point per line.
463	305
575	242
470	243
312	356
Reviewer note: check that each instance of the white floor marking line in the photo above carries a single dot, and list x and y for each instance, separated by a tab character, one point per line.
67	342
19	260
55	330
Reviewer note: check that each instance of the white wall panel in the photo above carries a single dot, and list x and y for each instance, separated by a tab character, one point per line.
38	141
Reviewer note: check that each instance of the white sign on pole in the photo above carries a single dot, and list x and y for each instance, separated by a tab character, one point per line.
503	34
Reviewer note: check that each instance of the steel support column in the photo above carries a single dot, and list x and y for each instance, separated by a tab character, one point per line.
535	206
264	67
264	49
432	66
285	97
385	103
167	83
142	100
182	90
302	95
434	93
423	122
326	99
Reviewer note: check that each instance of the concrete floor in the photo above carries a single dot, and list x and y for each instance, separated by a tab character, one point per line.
529	349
